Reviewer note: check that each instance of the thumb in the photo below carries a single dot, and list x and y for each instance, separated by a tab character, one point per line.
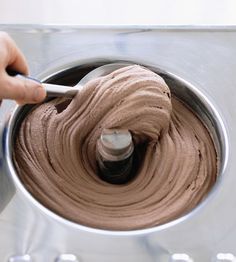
21	89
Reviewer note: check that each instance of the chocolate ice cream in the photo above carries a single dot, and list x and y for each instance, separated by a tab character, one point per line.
55	153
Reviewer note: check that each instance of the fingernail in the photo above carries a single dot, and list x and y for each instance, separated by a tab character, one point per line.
39	93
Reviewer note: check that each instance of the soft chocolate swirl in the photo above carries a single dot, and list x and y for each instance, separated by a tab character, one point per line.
56	160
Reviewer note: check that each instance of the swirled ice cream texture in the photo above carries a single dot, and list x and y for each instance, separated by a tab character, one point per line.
55	153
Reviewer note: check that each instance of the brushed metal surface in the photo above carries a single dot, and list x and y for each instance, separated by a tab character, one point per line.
67	258
224	257
23	258
180	258
204	57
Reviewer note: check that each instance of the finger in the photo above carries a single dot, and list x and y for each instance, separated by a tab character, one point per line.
21	89
13	57
18	62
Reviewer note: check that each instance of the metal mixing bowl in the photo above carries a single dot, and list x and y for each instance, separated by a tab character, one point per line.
200	103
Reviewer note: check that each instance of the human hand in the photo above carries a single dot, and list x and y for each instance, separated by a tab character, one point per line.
22	90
